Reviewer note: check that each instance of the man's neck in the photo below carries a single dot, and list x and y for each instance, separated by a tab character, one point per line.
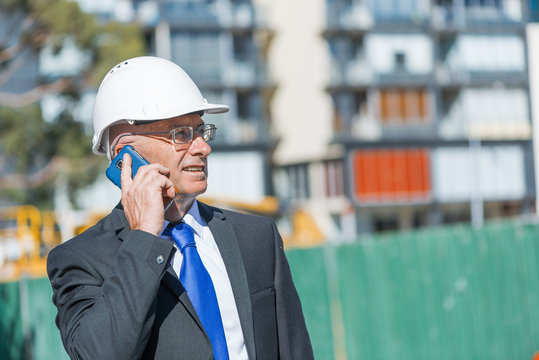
179	208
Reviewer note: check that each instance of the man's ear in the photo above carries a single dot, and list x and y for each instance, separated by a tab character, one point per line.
118	148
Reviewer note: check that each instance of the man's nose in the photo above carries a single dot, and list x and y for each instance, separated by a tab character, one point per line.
199	146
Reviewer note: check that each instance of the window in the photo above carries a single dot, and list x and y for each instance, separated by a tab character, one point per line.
493	3
198	54
400	61
395	9
243	47
294	182
481	53
334	176
188	2
243	107
496	172
447	3
250	125
403	106
487	113
348	107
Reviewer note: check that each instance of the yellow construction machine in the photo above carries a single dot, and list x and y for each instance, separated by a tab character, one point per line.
28	234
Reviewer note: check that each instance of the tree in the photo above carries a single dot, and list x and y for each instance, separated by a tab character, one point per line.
34	152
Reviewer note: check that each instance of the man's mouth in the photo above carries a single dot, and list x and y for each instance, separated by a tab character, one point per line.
194	168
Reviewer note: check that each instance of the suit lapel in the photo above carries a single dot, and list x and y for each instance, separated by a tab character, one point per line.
171	281
169	278
225	238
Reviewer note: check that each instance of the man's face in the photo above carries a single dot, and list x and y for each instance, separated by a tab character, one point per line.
187	162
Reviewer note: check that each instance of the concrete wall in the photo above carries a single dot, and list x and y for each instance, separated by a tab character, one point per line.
299	65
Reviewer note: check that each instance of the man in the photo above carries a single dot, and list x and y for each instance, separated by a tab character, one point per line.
121	288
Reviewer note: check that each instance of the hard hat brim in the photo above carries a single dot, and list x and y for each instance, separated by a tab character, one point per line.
215	109
100	149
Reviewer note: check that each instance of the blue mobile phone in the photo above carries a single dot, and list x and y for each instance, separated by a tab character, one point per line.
114	171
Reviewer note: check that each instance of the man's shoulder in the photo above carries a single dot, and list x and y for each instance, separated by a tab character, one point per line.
234	216
102	231
248	228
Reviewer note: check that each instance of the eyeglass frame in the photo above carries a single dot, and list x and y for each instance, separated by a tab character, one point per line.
172	134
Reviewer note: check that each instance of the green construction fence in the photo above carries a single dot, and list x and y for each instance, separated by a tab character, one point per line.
452	293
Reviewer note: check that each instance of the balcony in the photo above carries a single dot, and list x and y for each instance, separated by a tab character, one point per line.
485	113
233	74
235	131
358	16
353	17
355	73
358	74
245	75
188	13
365	127
391	113
454	77
215	13
453	18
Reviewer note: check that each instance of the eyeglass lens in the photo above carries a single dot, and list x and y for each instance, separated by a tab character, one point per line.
184	134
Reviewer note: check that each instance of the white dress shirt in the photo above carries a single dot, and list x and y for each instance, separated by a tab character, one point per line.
212	260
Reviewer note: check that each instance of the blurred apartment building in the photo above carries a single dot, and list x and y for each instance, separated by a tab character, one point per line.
368	115
429	117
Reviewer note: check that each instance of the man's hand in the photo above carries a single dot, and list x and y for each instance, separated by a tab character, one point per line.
142	197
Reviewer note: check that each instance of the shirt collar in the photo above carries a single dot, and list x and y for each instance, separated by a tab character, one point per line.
192	218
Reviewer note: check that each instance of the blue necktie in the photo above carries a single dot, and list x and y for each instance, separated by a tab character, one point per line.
197	282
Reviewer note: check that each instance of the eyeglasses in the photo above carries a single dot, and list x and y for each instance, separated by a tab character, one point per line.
181	134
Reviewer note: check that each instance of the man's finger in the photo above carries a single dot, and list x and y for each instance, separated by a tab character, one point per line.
169	190
126	179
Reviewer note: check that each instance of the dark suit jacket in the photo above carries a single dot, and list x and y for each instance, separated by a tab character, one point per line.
118	297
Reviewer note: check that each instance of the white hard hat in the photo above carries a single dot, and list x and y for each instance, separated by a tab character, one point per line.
145	88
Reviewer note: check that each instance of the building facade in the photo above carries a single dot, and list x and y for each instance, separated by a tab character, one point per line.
366	115
430	117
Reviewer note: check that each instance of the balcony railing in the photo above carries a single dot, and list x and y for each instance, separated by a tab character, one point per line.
359	16
245	74
456	76
459	17
234	131
217	13
351	17
358	73
367	127
228	74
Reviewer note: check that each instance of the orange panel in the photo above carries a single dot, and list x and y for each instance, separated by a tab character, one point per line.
403	111
371	173
385	171
384	106
367	180
422	105
391	175
362	173
416	172
400	173
403	106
